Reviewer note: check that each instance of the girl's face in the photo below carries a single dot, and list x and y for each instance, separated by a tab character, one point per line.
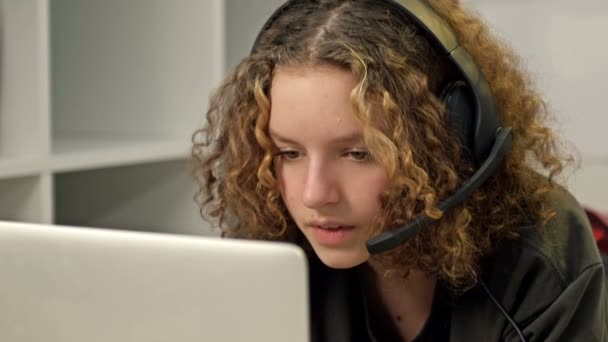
326	177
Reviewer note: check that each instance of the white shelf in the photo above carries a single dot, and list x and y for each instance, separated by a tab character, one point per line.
85	154
73	154
21	167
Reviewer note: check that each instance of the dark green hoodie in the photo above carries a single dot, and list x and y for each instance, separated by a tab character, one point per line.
550	281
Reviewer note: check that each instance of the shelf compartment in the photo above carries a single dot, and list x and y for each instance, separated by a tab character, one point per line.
151	197
21	199
141	69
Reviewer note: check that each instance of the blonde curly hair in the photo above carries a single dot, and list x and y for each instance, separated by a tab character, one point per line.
399	75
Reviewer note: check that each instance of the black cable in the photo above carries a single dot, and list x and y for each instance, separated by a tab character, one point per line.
504	312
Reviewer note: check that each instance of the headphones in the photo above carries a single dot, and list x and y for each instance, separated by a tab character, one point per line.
471	112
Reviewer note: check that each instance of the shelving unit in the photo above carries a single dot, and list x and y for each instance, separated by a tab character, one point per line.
98	103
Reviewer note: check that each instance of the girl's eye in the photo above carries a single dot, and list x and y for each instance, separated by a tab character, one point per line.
359	155
288	154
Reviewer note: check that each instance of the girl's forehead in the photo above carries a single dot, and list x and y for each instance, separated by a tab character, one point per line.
313	101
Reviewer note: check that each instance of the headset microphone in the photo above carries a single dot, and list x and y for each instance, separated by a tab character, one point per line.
391	239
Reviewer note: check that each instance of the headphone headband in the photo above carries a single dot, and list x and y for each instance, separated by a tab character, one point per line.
443	37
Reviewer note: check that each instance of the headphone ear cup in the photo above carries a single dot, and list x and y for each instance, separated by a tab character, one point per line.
460	111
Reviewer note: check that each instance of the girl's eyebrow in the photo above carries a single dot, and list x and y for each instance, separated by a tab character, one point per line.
348	138
277	137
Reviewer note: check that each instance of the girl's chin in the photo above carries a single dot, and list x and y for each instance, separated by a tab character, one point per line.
341	259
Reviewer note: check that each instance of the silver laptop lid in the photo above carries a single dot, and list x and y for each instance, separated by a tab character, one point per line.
81	284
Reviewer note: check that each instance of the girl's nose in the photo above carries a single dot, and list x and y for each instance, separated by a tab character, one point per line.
320	188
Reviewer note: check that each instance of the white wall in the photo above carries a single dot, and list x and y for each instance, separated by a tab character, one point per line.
563	44
244	19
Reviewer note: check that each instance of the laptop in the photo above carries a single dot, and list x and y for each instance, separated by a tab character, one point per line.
76	284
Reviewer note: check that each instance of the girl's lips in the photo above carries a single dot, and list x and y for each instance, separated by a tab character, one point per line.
332	236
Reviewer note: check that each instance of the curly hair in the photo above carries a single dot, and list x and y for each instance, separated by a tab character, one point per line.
398	77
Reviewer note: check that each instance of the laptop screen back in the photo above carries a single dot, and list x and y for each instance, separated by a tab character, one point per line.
81	284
